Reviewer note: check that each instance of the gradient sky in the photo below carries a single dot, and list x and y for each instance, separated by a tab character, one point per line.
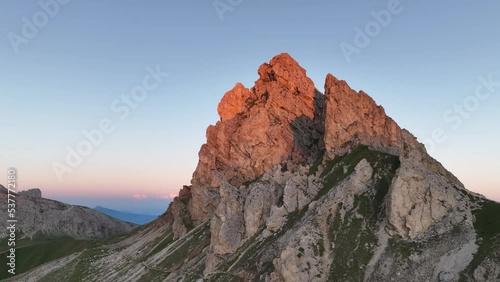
419	65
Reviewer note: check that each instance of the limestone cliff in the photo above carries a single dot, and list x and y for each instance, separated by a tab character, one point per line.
279	120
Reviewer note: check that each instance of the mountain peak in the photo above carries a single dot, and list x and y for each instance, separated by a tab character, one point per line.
283	120
282	84
284	70
354	117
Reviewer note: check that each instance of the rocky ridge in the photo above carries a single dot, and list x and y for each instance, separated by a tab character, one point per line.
34	193
296	185
45	218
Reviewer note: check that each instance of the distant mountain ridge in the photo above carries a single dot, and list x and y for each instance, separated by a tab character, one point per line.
40	217
127	216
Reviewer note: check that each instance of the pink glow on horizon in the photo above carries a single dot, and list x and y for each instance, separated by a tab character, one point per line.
170	197
120	185
139	196
89	181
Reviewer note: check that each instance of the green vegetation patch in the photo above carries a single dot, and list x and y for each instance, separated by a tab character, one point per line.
319	248
353	236
336	170
186	218
487	226
405	248
384	165
164	243
30	254
153	275
188	247
313	169
354	243
225	277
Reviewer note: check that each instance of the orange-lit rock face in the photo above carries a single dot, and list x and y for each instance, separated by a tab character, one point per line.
233	102
354	117
288	87
282	86
283	119
256	130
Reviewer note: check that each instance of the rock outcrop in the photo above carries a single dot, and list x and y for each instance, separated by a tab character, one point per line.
293	185
34	193
354	118
234	102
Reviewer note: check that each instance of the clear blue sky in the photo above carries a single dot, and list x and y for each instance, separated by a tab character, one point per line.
64	79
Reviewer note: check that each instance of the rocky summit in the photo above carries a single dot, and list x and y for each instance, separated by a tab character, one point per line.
298	185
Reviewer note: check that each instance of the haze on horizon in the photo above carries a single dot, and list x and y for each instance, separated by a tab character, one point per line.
424	65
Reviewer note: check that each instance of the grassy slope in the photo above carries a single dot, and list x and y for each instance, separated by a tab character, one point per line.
32	253
353	236
487	226
189	248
